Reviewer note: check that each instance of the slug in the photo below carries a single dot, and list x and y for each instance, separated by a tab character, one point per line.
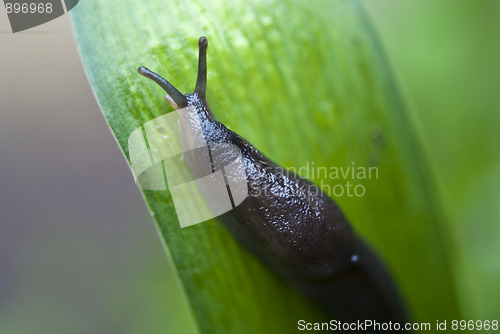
300	234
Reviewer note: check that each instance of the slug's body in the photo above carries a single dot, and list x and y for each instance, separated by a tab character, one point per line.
294	228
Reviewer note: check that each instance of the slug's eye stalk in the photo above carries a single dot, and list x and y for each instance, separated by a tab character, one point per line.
201	81
177	96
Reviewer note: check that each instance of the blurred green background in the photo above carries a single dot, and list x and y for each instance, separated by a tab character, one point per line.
78	250
446	55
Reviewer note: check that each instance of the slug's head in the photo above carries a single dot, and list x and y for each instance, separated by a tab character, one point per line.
176	98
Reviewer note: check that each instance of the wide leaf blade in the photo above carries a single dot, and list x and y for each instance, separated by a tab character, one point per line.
307	84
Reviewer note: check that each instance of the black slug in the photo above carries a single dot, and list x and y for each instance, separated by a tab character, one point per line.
300	234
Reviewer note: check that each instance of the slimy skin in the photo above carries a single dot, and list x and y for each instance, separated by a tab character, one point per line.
294	228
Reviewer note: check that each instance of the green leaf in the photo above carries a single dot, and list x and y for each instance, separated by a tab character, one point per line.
307	84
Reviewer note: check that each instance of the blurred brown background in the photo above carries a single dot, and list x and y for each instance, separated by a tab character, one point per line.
79	252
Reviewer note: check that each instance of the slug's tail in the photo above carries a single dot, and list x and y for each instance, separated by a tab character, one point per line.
365	293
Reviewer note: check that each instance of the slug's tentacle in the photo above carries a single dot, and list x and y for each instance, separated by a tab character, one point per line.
171	101
201	81
177	96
